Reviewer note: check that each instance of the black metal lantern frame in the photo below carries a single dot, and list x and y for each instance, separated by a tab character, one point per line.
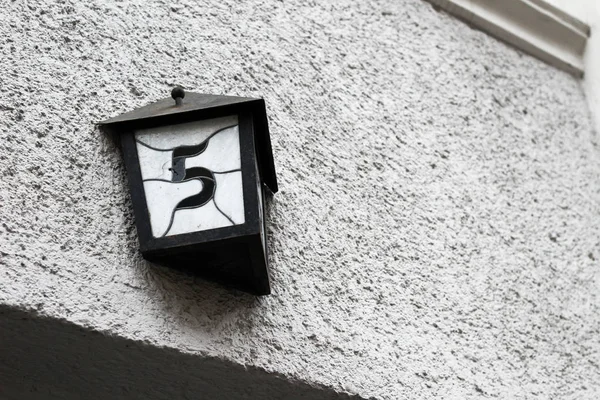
234	255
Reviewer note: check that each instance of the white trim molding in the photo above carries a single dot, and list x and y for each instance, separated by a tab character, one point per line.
534	26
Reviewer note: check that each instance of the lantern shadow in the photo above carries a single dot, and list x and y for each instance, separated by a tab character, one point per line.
114	140
191	275
187	298
195	303
189	283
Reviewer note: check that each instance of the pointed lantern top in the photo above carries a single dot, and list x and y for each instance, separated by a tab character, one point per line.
199	105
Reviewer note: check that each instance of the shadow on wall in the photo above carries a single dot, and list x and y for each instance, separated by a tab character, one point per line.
177	283
193	301
179	295
51	359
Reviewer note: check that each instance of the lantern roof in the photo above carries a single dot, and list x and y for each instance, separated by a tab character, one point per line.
199	105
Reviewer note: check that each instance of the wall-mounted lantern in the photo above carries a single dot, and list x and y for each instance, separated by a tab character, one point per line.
198	168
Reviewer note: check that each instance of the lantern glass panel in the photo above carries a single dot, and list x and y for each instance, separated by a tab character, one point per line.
261	208
192	175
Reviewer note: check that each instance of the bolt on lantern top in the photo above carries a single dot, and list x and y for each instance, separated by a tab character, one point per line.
198	169
178	94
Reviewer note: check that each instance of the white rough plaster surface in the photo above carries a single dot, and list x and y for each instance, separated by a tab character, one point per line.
436	234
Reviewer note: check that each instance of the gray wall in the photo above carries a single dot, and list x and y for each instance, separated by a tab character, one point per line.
436	234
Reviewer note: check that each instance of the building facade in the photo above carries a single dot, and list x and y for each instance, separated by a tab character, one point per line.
436	233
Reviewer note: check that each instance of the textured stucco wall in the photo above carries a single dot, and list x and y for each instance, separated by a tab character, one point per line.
436	234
